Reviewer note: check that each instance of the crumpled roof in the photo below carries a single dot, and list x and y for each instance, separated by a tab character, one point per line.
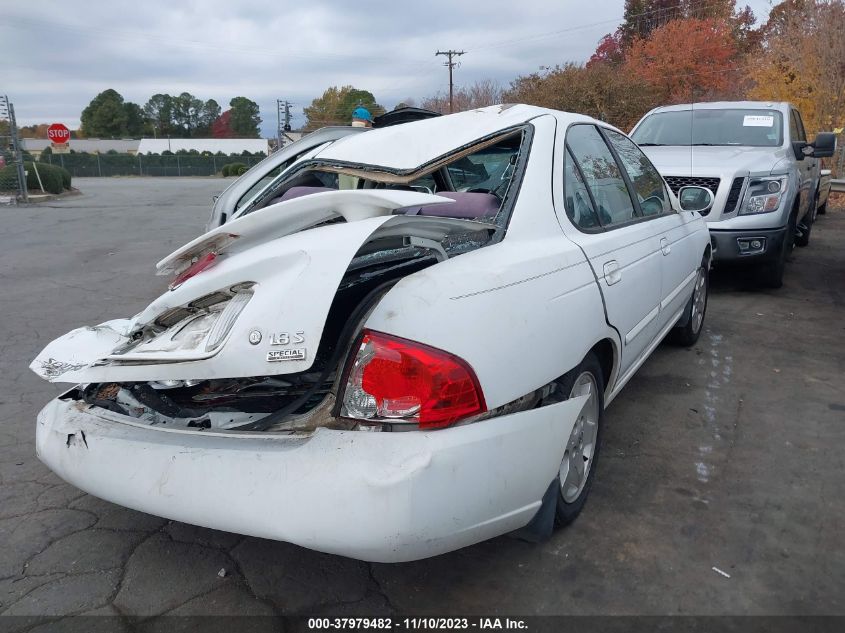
410	145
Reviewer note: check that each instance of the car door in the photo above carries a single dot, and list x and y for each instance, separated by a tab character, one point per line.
676	231
806	167
623	250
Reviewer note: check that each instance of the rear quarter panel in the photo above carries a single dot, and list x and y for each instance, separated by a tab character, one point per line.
521	312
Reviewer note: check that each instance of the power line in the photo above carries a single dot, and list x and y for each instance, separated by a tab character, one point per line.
450	64
678	8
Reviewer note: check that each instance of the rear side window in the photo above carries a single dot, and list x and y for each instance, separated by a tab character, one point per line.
488	169
796	127
579	207
647	182
601	174
258	186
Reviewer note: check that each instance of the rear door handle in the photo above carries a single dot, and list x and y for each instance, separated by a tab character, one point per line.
664	246
612	274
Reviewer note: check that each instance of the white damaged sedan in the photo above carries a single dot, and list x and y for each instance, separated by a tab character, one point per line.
402	346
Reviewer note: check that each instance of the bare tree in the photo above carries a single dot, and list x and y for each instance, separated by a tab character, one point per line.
482	93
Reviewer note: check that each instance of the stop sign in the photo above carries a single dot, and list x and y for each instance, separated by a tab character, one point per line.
58	133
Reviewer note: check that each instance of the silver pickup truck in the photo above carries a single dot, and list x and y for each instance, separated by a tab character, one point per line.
755	158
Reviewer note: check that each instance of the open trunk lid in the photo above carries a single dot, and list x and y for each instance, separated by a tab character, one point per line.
282	278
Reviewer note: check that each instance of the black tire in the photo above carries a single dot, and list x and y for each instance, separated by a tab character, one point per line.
687	335
807	225
822	209
804	239
770	274
567	511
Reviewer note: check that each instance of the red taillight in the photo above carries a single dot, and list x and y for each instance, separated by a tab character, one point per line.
394	378
196	268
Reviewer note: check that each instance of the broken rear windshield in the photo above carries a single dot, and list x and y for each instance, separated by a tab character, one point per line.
477	177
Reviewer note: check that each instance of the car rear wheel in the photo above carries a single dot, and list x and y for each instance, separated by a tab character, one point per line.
578	465
687	335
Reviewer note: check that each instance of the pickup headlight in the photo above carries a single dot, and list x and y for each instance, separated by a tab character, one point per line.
763	195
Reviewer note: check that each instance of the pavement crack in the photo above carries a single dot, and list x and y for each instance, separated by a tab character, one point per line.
380	590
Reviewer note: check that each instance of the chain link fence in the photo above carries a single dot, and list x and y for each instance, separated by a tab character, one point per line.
86	165
9	187
12	187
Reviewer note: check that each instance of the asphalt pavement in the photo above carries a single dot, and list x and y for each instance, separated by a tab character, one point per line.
728	455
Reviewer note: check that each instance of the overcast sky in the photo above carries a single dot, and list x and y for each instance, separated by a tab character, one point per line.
58	54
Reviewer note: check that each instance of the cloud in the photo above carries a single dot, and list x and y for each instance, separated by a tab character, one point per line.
61	54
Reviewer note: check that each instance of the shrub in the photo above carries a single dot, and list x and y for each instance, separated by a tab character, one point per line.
51	177
234	169
8	178
66	177
54	178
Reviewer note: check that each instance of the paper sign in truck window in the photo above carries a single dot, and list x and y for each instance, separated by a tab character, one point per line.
758	120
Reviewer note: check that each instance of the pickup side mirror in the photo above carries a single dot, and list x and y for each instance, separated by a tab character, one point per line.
695	198
824	145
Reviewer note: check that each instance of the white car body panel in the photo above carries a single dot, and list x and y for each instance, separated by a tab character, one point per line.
293	216
520	311
387	499
436	137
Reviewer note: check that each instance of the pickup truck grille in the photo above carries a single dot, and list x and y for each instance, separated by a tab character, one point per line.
676	182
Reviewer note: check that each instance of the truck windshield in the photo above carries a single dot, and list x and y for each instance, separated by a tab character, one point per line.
751	128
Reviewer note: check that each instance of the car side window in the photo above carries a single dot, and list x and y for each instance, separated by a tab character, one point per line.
648	183
800	124
579	206
796	128
602	175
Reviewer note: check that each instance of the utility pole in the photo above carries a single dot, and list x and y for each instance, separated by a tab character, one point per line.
450	64
282	114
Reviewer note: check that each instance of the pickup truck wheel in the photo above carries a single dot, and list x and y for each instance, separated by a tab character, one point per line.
804	239
822	209
687	334
578	465
770	274
807	225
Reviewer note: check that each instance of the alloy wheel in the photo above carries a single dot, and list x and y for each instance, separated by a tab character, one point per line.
581	446
699	300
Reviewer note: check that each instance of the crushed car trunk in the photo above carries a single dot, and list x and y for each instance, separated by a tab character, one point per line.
255	338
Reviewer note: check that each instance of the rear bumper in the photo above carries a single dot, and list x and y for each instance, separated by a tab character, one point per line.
383	497
726	245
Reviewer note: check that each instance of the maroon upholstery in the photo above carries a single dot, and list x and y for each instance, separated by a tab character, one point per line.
468	206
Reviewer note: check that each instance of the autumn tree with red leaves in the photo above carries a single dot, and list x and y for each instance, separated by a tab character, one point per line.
222	126
689	60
